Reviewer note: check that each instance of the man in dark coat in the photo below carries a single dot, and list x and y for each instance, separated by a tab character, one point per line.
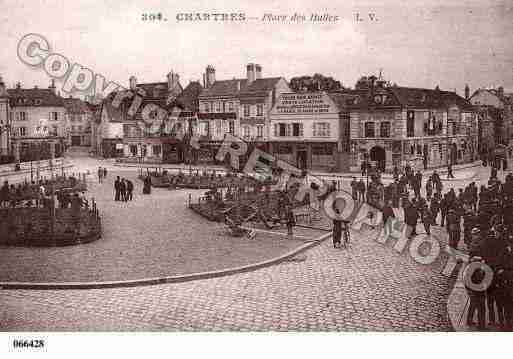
117	188
453	228
337	230
411	217
122	189
361	190
129	190
427	219
477	298
388	213
354	189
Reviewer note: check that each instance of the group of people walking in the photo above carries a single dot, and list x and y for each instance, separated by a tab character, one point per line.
123	189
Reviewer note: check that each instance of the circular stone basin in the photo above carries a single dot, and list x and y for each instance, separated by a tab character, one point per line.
152	236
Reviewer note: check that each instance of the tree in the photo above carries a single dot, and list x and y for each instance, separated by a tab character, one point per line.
317	82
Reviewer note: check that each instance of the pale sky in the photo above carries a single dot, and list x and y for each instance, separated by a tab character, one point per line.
420	43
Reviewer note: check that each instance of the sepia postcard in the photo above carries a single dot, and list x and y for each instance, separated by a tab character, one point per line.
273	166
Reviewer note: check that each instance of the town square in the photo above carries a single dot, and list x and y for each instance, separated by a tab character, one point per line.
250	172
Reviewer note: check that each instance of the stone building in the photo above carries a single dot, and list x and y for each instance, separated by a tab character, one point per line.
393	125
239	107
310	130
78	120
37	119
129	134
5	124
495	110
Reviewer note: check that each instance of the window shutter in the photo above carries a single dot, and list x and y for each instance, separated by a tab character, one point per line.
328	129
314	129
275	130
300	130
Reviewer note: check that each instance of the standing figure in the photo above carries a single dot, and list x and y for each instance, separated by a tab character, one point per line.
129	190
453	228
122	189
411	217
117	188
337	231
100	174
291	222
354	189
477	298
429	188
449	171
361	190
427	219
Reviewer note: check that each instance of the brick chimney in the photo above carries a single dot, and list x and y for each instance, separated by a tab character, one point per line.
258	70
133	83
210	76
250	70
500	92
467	92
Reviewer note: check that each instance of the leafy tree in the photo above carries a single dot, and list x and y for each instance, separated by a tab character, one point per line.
317	82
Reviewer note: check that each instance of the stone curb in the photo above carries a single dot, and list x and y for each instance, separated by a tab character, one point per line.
164	280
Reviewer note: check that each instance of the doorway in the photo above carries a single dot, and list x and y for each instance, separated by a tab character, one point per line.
301	159
378	154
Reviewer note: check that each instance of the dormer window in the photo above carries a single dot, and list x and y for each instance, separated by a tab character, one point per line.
38	102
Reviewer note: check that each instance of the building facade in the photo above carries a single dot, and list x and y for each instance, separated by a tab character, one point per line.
78	120
307	130
37	117
392	125
495	111
240	107
5	124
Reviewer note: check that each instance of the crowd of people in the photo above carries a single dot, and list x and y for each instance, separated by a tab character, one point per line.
478	221
34	193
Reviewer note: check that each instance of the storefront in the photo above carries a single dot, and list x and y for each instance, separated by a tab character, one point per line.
36	148
434	152
112	147
305	131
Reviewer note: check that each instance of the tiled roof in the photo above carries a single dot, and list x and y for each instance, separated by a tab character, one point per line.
34	97
363	99
76	105
260	87
398	96
428	98
224	88
343	99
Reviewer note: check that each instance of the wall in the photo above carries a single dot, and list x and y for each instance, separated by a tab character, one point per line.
35	114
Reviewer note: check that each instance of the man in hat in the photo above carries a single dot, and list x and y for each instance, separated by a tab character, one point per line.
453	228
472	278
474	245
